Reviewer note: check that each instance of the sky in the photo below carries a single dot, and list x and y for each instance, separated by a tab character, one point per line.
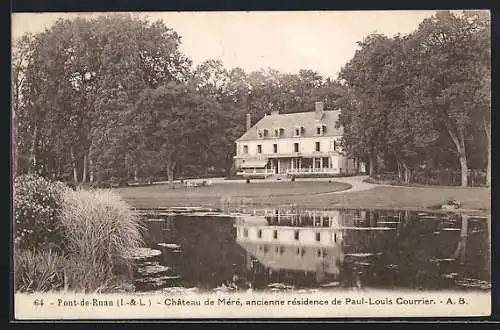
323	41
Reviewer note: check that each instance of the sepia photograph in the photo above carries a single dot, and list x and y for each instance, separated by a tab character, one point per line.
261	164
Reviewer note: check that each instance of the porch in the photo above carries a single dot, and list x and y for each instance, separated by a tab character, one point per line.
292	166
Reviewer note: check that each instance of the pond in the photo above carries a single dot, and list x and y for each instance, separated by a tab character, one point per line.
199	249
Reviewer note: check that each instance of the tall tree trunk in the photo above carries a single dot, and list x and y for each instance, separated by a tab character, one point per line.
136	173
373	160
407	173
91	170
400	170
459	141
14	143
463	161
33	149
487	130
73	165
170	173
85	168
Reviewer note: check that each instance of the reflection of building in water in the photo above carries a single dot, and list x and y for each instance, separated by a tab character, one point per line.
283	242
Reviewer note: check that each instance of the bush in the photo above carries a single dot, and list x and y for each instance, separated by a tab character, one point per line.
101	233
37	203
38	271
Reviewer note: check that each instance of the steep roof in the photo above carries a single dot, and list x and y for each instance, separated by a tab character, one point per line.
289	121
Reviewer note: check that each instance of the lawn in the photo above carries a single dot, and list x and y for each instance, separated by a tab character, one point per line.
213	196
314	194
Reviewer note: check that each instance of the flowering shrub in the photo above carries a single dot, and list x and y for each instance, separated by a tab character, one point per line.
37	205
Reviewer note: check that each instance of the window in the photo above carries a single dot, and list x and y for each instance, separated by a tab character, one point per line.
275	234
337	124
259	148
318	130
335	237
276	132
266	132
259	233
282	132
323	128
275	148
326	162
296	147
297	131
318	237
245	232
334	145
296	235
317	146
260	133
245	150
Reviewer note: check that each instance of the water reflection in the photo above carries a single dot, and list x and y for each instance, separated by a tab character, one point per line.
281	249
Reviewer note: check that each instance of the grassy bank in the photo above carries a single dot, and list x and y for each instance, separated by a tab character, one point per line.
316	195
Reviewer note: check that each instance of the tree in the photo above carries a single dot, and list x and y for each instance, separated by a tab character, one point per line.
365	116
81	79
453	58
176	122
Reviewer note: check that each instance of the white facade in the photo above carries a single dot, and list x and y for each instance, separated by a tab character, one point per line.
294	144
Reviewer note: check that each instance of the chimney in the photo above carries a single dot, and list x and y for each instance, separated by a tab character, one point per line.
249	121
319	109
319	106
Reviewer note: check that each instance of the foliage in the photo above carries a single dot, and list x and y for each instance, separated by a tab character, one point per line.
101	233
79	240
410	97
38	271
37	211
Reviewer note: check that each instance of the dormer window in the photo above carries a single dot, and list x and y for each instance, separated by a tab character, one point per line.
299	130
279	132
266	132
320	129
260	133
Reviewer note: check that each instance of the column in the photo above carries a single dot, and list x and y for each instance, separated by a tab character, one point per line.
279	165
314	163
321	163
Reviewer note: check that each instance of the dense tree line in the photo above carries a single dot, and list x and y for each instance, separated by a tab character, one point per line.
114	96
413	100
